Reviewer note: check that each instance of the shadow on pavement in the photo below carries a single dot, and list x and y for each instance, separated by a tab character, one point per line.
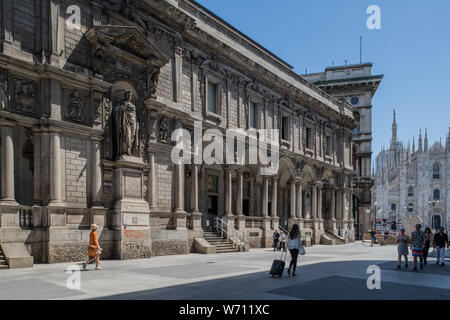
343	280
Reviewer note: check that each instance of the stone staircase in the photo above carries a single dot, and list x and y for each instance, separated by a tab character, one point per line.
221	244
331	239
3	263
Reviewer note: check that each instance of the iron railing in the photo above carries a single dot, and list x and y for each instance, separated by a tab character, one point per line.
231	234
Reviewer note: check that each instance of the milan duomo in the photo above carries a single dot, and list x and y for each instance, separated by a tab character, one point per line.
87	112
413	183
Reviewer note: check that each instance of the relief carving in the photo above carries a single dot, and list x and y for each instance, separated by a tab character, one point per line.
3	90
76	107
164	130
24	96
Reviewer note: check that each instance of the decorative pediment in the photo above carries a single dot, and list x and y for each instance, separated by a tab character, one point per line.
129	40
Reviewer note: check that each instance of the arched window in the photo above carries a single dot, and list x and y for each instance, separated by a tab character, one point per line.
410	192
410	207
436	171
393	207
436	194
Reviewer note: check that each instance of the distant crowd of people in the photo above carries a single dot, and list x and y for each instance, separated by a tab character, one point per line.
420	243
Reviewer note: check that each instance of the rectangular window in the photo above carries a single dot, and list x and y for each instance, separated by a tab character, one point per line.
252	115
328	145
212	97
285	128
308	138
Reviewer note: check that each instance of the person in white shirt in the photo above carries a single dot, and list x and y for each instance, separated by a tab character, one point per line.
294	241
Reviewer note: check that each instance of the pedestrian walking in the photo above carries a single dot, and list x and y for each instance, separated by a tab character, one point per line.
402	248
428	238
282	241
418	245
373	240
94	249
440	240
294	242
276	237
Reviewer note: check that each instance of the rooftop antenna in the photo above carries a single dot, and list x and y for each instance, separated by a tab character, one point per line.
360	49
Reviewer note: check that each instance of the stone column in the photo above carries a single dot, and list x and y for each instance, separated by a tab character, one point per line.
319	202
195	213
274	196
292	195
7	165
333	204
299	200
179	188
37	168
194	188
55	168
239	191
265	196
152	181
96	172
228	187
313	202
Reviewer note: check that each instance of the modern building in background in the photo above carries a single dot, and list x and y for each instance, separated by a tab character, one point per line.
87	115
413	182
356	85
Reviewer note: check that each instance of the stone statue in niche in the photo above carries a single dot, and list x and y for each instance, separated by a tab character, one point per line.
76	107
164	130
98	56
28	148
153	82
127	127
24	96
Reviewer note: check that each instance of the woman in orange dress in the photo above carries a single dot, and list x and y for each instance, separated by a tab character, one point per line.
94	249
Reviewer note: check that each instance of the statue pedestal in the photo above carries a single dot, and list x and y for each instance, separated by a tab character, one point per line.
131	213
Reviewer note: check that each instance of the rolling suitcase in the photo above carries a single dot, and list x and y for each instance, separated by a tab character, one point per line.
278	266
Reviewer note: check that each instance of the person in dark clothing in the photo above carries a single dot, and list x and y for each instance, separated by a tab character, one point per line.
440	241
428	237
373	240
276	237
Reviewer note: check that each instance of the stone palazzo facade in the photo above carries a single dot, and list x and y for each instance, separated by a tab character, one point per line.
87	114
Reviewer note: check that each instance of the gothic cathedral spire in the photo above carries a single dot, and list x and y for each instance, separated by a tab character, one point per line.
419	148
394	133
425	142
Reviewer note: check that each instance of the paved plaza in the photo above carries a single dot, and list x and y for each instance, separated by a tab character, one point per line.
326	272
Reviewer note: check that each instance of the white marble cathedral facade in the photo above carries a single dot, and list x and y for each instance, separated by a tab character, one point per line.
62	169
413	182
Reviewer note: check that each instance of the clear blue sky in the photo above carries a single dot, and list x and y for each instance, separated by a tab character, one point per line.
412	50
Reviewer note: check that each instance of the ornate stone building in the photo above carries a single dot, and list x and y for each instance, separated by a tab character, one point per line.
410	182
356	85
87	114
